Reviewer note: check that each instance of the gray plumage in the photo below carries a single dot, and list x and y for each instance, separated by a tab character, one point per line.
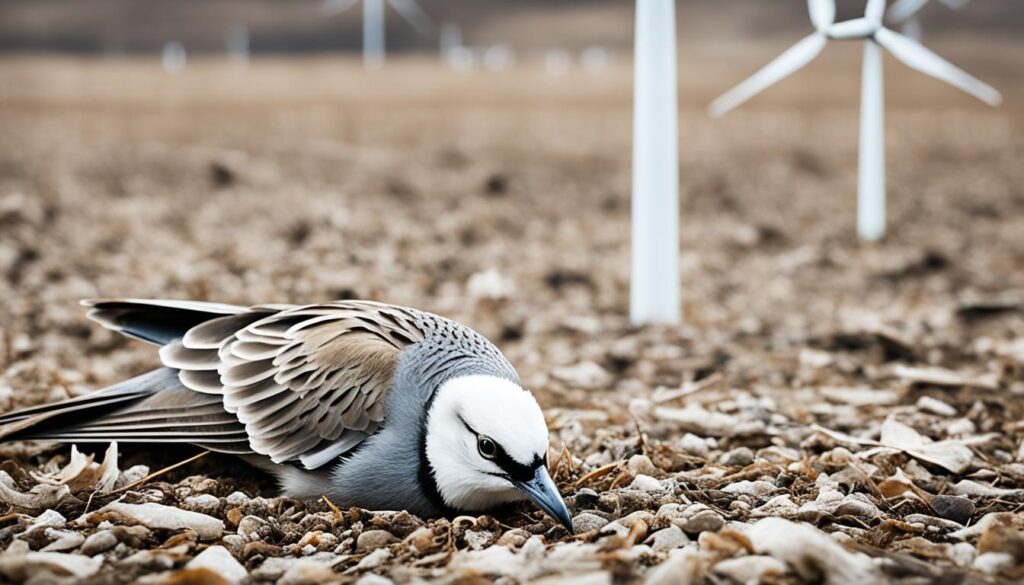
347	383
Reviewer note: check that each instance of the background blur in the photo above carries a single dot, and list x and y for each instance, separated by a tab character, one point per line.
497	194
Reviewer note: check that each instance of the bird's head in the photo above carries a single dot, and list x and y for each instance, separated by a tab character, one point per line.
487	443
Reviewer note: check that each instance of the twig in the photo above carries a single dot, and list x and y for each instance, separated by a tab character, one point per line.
137	483
599	472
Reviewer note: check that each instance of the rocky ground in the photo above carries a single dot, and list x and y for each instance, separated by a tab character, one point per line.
831	411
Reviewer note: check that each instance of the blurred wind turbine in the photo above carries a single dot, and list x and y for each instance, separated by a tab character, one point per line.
173	57
373	23
654	275
904	13
238	44
871	176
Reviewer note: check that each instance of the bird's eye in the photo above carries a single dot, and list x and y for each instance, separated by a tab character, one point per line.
486	447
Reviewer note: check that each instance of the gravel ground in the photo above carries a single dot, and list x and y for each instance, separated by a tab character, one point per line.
830	412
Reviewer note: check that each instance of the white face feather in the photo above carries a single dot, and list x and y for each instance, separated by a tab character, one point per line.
493	407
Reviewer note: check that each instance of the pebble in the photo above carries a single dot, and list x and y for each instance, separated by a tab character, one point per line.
203	503
955	508
693	445
373	540
961	426
98	542
646	483
371	579
159	516
668	539
739	457
251	527
236	499
699	518
935	406
586	521
750	488
220	561
641	465
62	540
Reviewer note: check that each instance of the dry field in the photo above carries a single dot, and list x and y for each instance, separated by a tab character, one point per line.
874	392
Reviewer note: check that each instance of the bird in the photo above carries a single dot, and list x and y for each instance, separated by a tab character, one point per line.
373	405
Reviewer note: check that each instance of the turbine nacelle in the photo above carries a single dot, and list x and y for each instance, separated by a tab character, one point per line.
856	29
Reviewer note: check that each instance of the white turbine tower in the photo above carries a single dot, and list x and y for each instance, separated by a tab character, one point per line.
654	277
904	13
871	177
373	23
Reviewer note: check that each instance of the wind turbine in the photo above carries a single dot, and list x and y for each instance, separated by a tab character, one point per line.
905	12
871	176
654	274
373	23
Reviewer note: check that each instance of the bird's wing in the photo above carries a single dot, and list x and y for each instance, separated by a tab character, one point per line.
307	382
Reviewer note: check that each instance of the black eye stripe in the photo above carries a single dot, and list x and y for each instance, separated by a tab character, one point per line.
515	470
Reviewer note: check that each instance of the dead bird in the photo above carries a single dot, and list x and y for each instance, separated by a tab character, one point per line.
373	405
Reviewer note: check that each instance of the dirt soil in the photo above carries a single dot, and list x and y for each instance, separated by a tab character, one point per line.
831	410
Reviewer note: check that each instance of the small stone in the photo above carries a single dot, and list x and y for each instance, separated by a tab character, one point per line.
221	562
646	483
479	539
641	464
62	540
587	521
236	499
203	503
252	527
374	539
750	488
739	457
955	508
961	426
935	406
698	518
668	539
628	521
693	445
98	542
371	579
161	517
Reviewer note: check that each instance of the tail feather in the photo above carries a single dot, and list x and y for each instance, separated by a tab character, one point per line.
155	321
102	400
151	408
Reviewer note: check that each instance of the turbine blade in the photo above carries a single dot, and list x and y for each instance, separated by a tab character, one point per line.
411	12
795	57
875	10
916	56
823	13
904	9
336	7
912	29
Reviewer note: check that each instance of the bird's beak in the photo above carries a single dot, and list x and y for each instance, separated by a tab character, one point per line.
542	491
